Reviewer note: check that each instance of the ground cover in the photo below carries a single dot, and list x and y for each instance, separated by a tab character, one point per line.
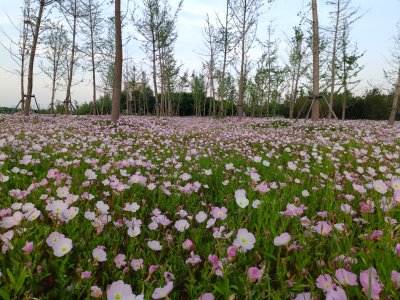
191	208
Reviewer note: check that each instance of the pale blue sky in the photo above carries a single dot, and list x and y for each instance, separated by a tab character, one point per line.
373	33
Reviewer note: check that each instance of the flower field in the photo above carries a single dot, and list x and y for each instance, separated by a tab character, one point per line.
189	208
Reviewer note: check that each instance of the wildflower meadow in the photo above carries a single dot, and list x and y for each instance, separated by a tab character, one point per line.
196	208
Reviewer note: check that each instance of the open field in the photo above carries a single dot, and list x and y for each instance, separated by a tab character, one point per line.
188	207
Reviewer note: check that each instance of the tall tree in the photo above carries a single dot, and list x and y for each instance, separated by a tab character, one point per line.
342	15
93	24
116	99
210	41
18	49
396	73
32	55
148	25
267	72
297	66
349	67
246	13
315	95
55	54
72	11
225	44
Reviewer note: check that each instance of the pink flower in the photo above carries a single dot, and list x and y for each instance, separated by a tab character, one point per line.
96	292
395	277
231	251
371	276
86	274
241	199
187	245
219	213
193	259
336	293
181	225
120	260
137	264
62	247
244	240
119	290
153	268
162	292
27	249
254	274
345	277
282	240
397	248
99	254
325	282
303	296
323	228
380	186
207	296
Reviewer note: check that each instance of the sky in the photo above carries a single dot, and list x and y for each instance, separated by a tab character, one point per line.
373	33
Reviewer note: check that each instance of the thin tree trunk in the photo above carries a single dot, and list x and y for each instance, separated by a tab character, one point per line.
242	58
27	105
316	104
344	103
222	87
72	62
118	64
395	105
24	42
94	107
333	64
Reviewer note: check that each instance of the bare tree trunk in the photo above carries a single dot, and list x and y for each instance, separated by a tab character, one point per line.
116	99
154	58
72	61
27	105
24	46
395	104
53	92
242	63
333	64
316	104
344	103
94	107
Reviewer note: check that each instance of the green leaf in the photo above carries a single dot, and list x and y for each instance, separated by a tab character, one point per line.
11	277
4	294
20	280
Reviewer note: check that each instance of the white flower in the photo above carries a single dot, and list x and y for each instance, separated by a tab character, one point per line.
292	166
186	176
208	172
244	240
133	232
89	215
160	293
102	207
33	214
4	178
241	199
282	240
62	247
90	175
132	207
57	207
63	192
53	238
99	254
181	225
201	216
154	245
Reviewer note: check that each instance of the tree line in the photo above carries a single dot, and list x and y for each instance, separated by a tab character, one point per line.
320	69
